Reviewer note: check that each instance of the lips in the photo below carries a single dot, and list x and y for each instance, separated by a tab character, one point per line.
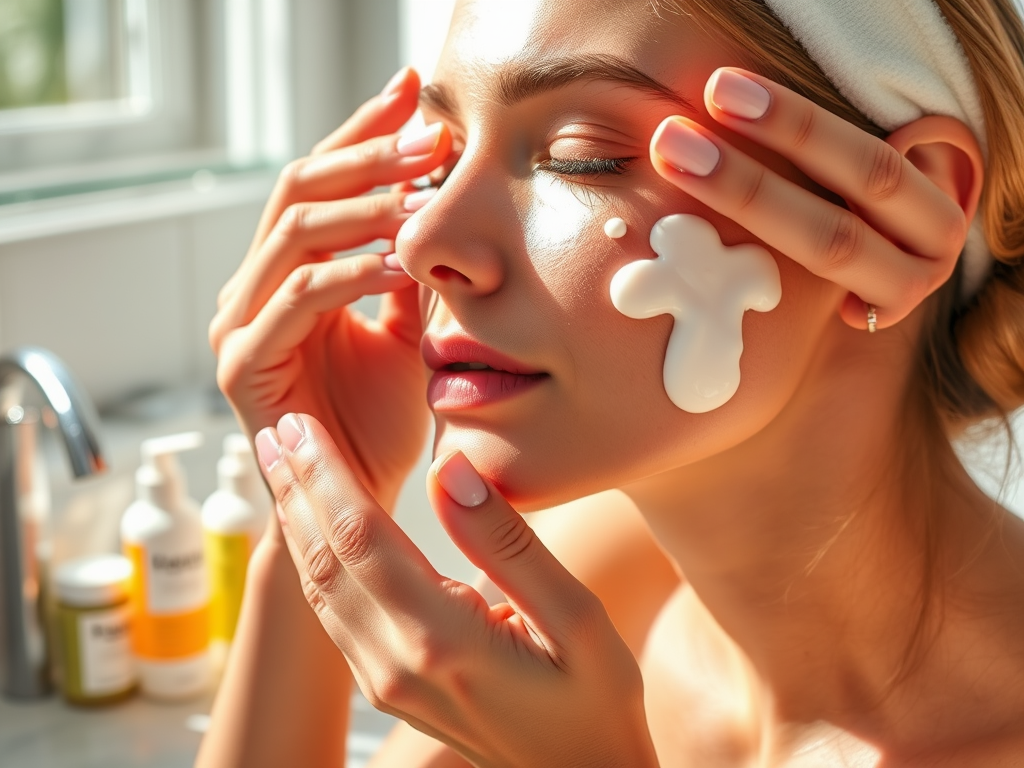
468	374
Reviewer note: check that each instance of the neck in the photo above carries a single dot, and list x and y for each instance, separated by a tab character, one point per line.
814	544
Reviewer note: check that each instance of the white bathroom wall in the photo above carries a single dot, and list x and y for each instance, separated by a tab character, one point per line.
125	305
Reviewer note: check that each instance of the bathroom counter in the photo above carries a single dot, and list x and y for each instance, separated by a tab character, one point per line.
53	734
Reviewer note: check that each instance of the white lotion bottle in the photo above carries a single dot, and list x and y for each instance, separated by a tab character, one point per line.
232	526
162	535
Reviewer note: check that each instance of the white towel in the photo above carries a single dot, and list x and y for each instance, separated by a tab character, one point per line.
896	61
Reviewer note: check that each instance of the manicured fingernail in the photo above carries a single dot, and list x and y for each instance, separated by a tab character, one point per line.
737	95
461	481
682	147
395	83
292	431
268	449
419	141
391	262
416	200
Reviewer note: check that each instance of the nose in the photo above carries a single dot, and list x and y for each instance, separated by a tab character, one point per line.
457	244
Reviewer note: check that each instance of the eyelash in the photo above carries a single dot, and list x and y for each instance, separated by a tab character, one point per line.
597	166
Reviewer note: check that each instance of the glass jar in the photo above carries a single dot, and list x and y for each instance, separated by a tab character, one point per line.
93	622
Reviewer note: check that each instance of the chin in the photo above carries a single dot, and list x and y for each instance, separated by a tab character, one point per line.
529	479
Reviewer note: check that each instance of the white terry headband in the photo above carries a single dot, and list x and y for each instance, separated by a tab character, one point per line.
895	61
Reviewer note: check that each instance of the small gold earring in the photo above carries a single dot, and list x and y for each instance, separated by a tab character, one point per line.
872	318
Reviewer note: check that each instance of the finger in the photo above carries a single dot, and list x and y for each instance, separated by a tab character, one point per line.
311	290
497	540
351	548
359	168
382	114
830	241
308	232
889	192
400	313
351	171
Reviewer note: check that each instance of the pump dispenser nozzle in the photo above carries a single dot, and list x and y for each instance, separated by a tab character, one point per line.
160	480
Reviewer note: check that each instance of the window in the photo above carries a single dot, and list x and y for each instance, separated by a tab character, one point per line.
61	60
99	94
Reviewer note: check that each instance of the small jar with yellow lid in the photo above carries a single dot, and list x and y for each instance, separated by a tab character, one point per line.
93	621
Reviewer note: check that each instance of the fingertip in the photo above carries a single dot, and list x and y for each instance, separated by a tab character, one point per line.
734	93
268	448
460	480
685	147
709	89
402	90
395	85
291	431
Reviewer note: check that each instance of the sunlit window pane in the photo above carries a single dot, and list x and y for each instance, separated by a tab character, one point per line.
32	67
62	52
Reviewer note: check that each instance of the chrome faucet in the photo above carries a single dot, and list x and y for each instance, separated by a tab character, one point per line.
24	661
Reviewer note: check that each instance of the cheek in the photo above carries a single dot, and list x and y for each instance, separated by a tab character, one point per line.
570	253
564	237
608	419
616	422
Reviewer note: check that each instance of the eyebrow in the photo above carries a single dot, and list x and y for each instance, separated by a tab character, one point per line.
517	81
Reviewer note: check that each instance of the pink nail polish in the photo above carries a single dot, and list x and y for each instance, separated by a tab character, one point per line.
292	431
394	85
419	141
737	95
461	481
685	149
416	200
268	449
391	262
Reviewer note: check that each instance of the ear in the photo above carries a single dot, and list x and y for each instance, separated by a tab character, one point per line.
946	151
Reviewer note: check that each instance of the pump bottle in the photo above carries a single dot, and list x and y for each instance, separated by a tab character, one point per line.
162	535
232	526
251	485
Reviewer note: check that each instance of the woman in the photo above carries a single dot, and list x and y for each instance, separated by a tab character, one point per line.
824	586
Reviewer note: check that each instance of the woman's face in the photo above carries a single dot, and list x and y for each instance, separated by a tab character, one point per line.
552	105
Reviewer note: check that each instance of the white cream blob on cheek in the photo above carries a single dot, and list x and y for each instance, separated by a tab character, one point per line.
615	228
706	287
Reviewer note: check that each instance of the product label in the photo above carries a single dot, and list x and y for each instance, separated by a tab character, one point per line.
170	596
104	652
176	580
227	556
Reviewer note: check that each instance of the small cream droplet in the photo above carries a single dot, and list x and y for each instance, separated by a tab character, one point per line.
615	228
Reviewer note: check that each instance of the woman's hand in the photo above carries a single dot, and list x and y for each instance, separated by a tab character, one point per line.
543	680
284	336
909	197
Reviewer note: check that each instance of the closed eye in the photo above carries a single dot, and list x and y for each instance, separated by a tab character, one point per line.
598	166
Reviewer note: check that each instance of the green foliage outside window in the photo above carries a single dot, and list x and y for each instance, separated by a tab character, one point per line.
32	69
